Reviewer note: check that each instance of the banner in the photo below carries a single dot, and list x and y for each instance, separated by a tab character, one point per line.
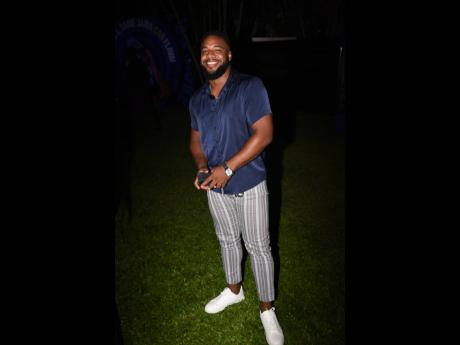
162	50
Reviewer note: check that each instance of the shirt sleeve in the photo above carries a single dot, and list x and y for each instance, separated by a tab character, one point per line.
257	103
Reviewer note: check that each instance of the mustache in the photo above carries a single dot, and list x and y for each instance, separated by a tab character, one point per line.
217	73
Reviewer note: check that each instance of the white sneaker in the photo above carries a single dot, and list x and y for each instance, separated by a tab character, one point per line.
226	298
273	331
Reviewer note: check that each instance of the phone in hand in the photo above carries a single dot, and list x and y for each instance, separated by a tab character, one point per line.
202	176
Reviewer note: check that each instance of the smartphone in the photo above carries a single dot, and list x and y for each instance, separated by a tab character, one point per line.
202	176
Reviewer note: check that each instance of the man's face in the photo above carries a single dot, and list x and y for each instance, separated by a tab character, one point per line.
215	57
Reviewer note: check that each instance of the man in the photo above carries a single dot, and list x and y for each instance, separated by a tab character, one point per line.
231	124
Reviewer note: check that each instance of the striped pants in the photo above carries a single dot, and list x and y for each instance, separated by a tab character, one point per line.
246	215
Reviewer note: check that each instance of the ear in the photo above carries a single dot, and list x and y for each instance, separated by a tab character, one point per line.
229	55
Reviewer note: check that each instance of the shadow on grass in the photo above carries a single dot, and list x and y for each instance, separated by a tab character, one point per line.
284	133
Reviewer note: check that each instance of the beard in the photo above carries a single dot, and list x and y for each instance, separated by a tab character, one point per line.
217	73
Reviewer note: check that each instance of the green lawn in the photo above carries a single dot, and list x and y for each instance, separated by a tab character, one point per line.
168	262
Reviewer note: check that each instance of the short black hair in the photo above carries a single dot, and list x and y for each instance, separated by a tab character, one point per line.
217	33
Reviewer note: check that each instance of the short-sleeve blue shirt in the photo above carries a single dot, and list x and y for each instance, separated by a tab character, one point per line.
225	125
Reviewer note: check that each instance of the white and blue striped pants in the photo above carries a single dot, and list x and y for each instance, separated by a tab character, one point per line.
246	215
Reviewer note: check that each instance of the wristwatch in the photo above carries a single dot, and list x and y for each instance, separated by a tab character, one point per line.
228	171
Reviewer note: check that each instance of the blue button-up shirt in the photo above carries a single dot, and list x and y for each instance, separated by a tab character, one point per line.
225	125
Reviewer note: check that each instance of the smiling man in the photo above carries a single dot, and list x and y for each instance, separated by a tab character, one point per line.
231	125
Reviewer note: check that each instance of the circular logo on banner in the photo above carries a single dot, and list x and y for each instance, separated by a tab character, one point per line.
166	61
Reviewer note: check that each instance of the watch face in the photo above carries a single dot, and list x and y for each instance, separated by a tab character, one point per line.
228	172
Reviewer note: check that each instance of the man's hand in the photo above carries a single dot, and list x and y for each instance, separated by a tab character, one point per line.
197	186
217	179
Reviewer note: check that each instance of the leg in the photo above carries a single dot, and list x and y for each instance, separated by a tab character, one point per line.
223	212
253	210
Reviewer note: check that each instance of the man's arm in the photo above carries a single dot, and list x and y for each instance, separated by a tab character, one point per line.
198	155
262	135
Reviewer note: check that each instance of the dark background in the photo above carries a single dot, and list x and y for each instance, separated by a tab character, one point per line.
303	72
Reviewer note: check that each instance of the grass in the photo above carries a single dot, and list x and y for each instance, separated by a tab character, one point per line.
168	262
